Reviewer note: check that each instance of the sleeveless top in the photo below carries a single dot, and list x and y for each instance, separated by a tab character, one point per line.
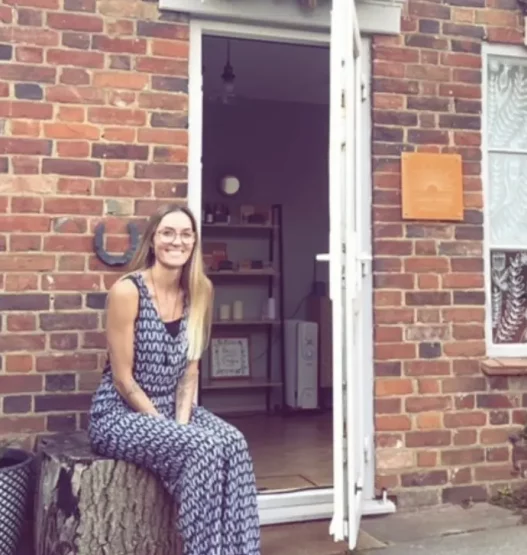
160	359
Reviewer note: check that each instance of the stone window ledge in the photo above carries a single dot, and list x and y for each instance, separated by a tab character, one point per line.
504	366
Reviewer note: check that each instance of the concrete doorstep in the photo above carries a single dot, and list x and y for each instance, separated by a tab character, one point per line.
449	530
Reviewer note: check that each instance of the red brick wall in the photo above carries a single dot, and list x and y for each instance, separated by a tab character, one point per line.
93	102
93	126
442	426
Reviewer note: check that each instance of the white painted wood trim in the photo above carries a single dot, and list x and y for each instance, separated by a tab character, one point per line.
493	349
376	17
309	504
315	504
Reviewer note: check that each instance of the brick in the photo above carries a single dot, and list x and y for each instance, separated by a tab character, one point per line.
64	341
19	363
465	419
388	406
71	282
70	94
116	116
389	387
160	101
463	494
71	131
62	402
81	59
29	55
427	298
75	76
499	417
120	80
60	382
420	136
492	436
429	350
24	301
21	322
497	454
161	66
75	22
459	457
494	473
426	404
73	149
392	423
10	342
67	301
169	84
79	5
22	424
17	404
59	322
32	18
20	384
427	368
469	297
387	369
80	41
162	30
497	401
71	167
119	151
429	438
120	62
36	74
160	171
389	351
422	479
61	423
25	146
119	45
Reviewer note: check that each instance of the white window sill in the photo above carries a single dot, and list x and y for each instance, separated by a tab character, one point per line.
504	366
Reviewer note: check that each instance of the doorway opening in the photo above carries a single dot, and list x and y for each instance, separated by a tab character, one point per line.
264	219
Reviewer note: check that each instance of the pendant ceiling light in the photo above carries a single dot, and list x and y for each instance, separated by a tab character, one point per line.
228	76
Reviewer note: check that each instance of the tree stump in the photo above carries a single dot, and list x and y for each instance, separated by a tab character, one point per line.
88	505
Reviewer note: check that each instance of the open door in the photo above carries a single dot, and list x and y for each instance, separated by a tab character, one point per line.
345	270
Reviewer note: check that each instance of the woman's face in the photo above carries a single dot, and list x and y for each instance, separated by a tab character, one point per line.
174	240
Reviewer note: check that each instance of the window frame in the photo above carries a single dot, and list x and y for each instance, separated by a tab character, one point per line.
495	350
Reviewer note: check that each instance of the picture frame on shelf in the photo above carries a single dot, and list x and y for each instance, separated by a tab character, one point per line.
230	357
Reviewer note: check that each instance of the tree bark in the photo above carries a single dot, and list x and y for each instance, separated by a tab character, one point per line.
88	505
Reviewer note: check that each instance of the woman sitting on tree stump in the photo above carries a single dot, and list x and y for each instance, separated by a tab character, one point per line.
143	412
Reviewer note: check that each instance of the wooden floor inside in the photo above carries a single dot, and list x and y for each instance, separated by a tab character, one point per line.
292	452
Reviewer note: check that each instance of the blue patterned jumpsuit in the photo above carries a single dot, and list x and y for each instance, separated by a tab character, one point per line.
204	465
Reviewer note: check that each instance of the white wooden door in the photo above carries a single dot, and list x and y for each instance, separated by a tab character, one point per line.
345	268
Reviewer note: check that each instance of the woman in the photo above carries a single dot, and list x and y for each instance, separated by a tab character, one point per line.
158	325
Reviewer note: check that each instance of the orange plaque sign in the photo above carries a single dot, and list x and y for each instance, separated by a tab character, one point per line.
432	186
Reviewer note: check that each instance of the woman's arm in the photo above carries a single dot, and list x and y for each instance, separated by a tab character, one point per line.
185	393
121	313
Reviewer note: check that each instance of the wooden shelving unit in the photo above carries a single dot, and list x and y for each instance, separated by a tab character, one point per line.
273	277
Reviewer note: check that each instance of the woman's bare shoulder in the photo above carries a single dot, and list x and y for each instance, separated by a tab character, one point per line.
124	294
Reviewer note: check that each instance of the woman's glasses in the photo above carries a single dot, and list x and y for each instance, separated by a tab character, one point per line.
169	235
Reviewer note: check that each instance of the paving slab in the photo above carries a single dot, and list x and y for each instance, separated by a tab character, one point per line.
437	522
505	541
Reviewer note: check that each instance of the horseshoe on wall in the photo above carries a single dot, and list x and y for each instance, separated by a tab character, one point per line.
116	259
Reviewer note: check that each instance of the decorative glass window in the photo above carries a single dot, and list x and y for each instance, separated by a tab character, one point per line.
505	137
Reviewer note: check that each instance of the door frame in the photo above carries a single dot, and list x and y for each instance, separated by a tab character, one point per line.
314	504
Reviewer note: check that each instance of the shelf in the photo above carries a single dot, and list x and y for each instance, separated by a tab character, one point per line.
239	226
242	273
255	323
238	384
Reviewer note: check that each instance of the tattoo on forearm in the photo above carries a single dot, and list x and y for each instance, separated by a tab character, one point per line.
132	390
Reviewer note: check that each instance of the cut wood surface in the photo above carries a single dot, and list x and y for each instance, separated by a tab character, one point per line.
89	505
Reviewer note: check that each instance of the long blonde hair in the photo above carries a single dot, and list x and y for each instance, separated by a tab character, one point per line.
196	285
